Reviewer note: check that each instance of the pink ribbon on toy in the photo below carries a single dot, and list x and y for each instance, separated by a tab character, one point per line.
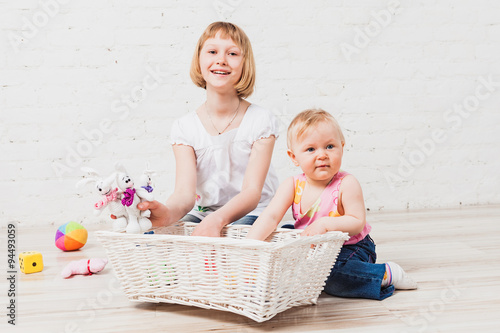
113	195
128	197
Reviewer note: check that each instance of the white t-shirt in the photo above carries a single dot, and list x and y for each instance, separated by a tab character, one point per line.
222	160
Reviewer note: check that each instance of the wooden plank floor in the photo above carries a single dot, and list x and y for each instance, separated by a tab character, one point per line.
454	255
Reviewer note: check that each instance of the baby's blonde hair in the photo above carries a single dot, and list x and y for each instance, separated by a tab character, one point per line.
307	119
245	85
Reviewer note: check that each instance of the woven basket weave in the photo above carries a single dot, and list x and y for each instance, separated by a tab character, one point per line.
252	278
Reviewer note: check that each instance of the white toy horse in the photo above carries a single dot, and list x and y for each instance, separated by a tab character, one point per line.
130	198
110	197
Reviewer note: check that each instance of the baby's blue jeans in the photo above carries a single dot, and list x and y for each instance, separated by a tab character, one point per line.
245	220
355	273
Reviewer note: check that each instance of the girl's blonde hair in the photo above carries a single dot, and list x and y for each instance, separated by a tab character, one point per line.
307	119
245	85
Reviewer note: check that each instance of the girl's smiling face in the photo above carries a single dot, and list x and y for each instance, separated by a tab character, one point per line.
221	62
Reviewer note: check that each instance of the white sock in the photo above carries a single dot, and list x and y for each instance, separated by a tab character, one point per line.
396	276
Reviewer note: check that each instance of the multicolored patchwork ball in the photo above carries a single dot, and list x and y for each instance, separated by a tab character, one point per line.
71	236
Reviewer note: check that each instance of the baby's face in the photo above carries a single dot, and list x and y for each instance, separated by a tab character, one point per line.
318	152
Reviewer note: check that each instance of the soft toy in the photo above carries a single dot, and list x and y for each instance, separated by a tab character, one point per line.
130	198
110	197
71	236
145	186
84	267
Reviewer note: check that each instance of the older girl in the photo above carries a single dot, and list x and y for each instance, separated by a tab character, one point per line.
223	150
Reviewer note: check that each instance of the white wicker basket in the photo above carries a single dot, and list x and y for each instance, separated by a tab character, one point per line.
252	278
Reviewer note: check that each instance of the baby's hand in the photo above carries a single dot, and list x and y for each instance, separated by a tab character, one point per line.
315	228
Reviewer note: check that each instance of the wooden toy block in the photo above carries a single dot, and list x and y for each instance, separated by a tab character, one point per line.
30	262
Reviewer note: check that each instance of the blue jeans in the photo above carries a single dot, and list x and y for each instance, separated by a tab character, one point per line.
355	273
245	220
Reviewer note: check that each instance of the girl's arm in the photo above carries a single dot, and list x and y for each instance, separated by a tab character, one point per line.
272	215
245	201
352	208
182	200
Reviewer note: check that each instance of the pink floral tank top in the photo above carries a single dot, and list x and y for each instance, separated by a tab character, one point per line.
326	205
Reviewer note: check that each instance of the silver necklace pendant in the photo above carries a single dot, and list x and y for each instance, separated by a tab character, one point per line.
230	122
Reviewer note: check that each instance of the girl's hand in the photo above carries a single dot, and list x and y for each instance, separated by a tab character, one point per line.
204	229
209	227
316	228
159	212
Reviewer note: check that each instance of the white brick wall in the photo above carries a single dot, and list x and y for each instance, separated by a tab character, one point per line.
76	88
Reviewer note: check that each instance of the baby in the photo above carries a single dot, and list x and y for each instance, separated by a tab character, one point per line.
324	198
